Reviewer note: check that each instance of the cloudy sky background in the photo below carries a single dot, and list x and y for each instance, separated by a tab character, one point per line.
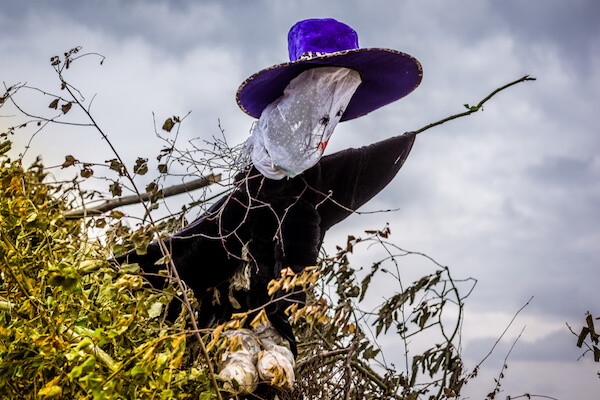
508	196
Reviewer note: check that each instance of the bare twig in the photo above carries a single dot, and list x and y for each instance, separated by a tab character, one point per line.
496	390
345	354
349	368
476	108
322	356
503	333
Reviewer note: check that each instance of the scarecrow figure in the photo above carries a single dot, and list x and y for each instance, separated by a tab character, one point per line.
289	196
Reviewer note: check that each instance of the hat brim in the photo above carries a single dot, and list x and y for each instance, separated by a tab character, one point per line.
387	75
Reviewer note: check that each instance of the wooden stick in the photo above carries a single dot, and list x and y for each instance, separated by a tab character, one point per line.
134	199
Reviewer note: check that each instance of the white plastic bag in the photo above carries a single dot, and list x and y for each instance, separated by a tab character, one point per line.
276	365
276	362
293	131
240	365
264	354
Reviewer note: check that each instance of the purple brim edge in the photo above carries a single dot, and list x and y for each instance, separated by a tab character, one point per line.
387	75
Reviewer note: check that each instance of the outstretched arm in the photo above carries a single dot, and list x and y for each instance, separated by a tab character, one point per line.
354	176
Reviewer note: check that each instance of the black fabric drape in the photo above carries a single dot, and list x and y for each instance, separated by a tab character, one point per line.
277	223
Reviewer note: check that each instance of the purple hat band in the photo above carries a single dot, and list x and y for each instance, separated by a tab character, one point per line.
387	75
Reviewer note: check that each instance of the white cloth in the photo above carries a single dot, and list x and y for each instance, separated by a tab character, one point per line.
293	131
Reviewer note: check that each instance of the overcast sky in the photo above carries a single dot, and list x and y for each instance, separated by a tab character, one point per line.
508	196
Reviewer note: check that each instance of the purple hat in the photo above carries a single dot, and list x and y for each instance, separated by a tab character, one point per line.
387	75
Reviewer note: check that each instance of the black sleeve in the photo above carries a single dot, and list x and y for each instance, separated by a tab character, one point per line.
354	176
204	252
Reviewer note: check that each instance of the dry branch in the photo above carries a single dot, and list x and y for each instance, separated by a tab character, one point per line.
134	199
479	106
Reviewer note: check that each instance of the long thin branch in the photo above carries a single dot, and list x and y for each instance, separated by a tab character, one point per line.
477	107
372	376
502	335
321	356
135	199
349	368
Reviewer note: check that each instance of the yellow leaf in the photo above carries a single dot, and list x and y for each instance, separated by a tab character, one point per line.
178	344
449	392
273	286
235	343
286	283
168	125
287	272
279	377
16	186
217	332
291	309
51	390
211	345
350	328
299	314
314	277
148	353
293	281
233	324
261	317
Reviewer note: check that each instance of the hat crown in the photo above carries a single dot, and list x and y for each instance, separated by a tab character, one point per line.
320	36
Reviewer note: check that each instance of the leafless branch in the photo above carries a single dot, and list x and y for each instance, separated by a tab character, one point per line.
503	333
134	199
473	109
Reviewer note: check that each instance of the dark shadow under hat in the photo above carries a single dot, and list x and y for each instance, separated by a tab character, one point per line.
387	75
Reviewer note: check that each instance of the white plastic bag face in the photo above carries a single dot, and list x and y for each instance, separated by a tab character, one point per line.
293	131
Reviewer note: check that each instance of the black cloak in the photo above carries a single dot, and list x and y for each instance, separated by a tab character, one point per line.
277	223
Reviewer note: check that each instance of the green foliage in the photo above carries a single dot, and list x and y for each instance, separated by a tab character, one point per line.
72	325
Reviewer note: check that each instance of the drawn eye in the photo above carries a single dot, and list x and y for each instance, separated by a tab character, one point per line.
339	113
324	120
